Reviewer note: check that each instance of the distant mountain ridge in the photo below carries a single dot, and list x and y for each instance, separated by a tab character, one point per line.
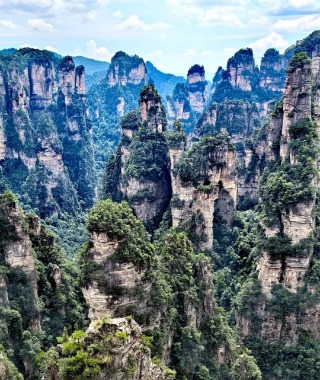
164	83
91	65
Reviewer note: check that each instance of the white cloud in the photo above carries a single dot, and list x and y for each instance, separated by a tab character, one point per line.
190	54
100	53
39	24
52	7
8	24
297	24
217	16
118	14
273	40
51	48
134	23
207	53
291	7
91	16
29	46
155	55
211	13
229	50
205	3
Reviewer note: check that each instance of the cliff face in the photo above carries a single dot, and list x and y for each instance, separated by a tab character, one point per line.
289	207
125	274
189	100
203	186
37	291
241	120
17	250
111	99
242	98
129	355
197	88
272	71
241	70
43	129
142	174
125	69
297	220
118	286
242	79
123	353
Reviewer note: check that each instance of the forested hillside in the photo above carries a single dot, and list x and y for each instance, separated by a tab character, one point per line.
199	254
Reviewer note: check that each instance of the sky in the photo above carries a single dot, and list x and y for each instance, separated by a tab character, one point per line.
172	34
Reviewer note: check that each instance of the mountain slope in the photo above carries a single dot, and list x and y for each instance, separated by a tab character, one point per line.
91	65
164	83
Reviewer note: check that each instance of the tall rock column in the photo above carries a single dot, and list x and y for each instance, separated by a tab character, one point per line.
189	99
197	88
204	185
293	206
288	199
16	247
140	169
116	262
45	134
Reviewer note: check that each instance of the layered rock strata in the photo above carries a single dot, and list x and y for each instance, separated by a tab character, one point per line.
189	100
17	250
287	252
118	285
214	192
143	177
43	126
126	70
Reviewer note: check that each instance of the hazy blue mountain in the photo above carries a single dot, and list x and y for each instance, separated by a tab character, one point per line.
91	65
8	51
164	83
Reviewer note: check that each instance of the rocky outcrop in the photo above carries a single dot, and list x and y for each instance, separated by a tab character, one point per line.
188	100
203	191
141	173
71	79
4	301
128	354
197	88
179	108
44	132
241	70
273	71
2	140
289	224
110	99
125	275
309	45
125	69
297	220
16	248
242	76
242	99
36	289
122	352
119	285
151	110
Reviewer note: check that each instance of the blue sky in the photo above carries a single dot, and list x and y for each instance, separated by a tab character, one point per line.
173	34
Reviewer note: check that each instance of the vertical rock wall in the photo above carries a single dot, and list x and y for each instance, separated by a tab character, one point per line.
44	131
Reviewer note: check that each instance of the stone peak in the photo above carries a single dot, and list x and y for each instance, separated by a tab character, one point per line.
196	73
149	92
67	64
242	56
